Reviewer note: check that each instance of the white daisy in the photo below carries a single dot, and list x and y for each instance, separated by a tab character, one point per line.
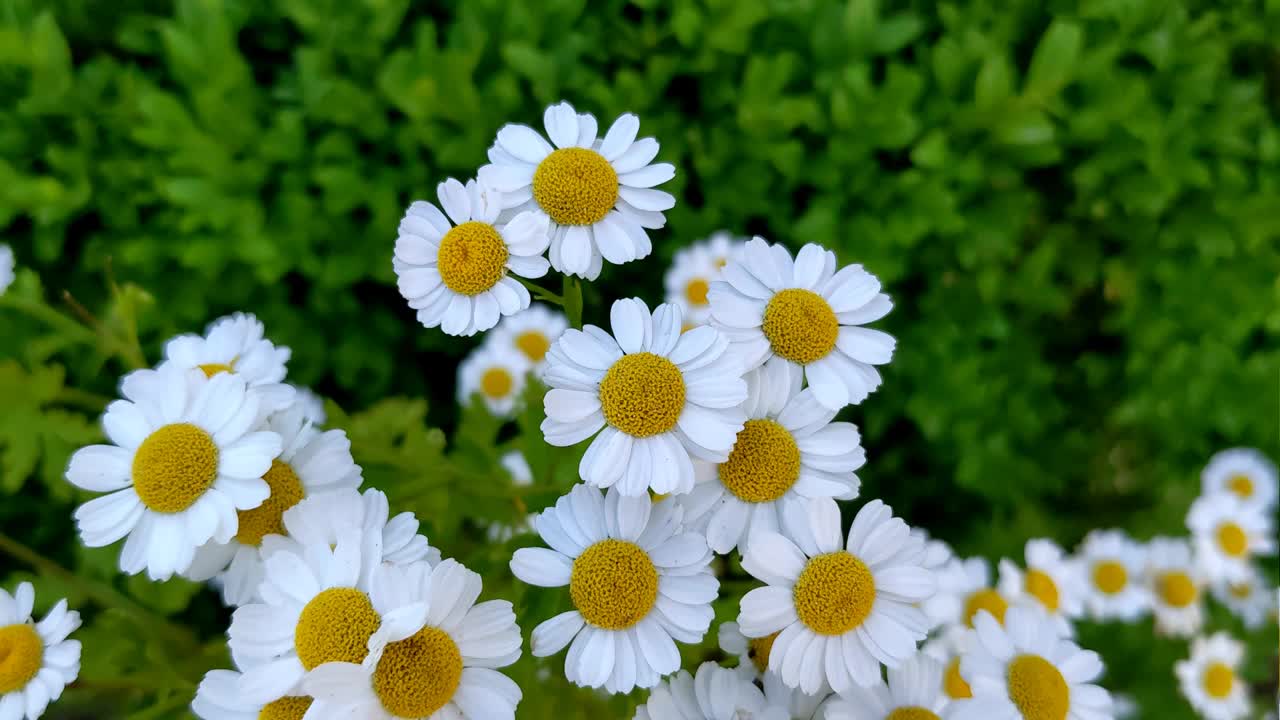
185	459
1026	669
913	692
455	274
661	397
841	610
6	267
441	667
1110	567
1209	679
521	474
714	693
1124	706
530	333
964	588
1228	534
236	344
312	405
218	698
36	659
752	653
693	269
1176	583
947	647
1250	599
1049	581
638	582
597	196
937	553
1247	473
804	316
797	704
496	374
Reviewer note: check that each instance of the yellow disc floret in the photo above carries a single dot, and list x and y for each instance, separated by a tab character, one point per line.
1038	689
496	382
174	466
985	599
1218	680
1232	539
211	369
695	292
335	627
764	462
614	584
800	325
642	394
912	712
1241	485
953	683
834	593
1176	589
21	654
1110	576
268	518
286	708
758	650
472	258
418	675
1042	587
533	344
575	186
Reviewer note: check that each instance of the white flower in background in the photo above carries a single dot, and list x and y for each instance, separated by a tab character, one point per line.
714	693
185	459
658	399
597	196
236	344
964	588
496	374
1244	472
1049	581
937	553
1124	706
1209	678
1228	534
36	659
913	692
1251	599
752	653
693	269
6	267
530	333
842	608
797	704
521	474
456	274
441	666
1176	584
947	647
218	698
1110	569
638	580
804	316
312	405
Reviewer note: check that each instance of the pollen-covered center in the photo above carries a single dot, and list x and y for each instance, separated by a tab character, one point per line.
575	186
758	650
286	708
472	258
613	584
642	394
695	291
21	652
800	325
1176	589
834	593
496	382
1232	539
211	369
1218	680
1241	485
1110	576
268	518
1043	588
1038	689
985	599
335	627
764	462
418	675
912	712
533	344
953	683
174	466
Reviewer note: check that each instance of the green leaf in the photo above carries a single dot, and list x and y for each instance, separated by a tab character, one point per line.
1054	60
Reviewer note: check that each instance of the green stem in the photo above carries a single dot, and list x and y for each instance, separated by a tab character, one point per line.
49	316
572	295
540	292
82	399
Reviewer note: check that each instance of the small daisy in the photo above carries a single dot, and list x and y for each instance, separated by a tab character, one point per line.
455	274
1250	599
842	609
1245	472
1228	534
964	588
1175	583
714	693
1110	568
597	196
36	659
521	474
798	705
804	316
947	647
496	374
530	333
1209	680
441	667
236	344
1027	669
752	653
6	267
218	698
692	271
661	397
184	462
638	582
312	405
1049	581
913	692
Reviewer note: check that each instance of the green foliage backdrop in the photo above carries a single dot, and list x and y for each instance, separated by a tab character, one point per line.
1075	205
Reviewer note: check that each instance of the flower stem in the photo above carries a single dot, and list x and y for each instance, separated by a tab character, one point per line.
572	296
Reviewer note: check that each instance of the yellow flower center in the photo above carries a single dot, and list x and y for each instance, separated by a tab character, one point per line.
21	652
912	712
985	599
174	466
800	325
834	593
211	369
613	584
1042	588
1232	539
418	675
1110	576
1176	589
763	464
953	683
721	262
335	627
642	394
1218	680
575	186
696	291
1241	485
1240	591
534	344
268	518
286	708
758	650
1038	689
472	258
496	382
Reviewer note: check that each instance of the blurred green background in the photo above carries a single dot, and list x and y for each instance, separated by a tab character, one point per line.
1075	206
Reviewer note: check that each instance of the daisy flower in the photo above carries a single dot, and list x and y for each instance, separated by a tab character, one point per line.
937	553
639	582
964	588
913	692
312	405
454	270
1209	679
185	460
521	474
6	267
1250	599
1228	534
1244	472
752	653
947	647
804	316
218	698
597	197
530	333
714	693
1175	583
692	271
1027	669
1124	706
236	344
658	399
36	659
798	705
1110	566
841	610
1049	581
441	666
496	374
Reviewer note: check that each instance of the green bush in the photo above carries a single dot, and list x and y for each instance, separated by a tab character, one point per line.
1074	206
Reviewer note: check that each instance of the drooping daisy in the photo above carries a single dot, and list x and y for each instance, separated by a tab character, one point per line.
638	580
455	274
237	344
714	693
441	667
1049	581
964	588
530	333
184	460
36	659
219	698
1246	473
1176	583
1209	679
803	315
842	609
1251	599
1228	534
598	197
661	397
692	271
1026	669
913	692
6	267
1110	568
496	374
